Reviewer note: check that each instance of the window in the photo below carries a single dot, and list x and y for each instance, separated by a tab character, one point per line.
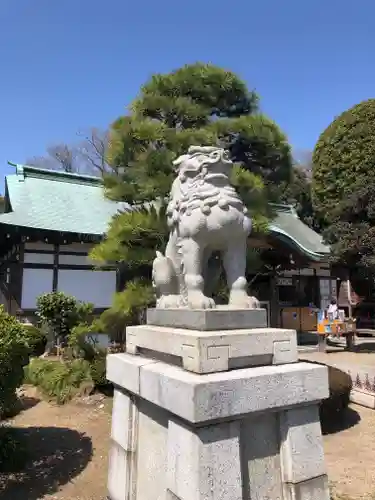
302	293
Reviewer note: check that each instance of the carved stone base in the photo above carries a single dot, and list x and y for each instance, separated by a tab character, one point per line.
242	435
220	318
213	351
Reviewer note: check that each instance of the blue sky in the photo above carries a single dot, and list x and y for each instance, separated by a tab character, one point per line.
67	65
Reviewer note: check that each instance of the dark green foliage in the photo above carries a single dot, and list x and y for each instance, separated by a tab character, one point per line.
14	353
352	226
81	344
196	104
344	187
98	370
61	312
343	157
132	237
84	347
36	339
59	381
126	309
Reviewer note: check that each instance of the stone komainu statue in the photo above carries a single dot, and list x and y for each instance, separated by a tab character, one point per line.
205	215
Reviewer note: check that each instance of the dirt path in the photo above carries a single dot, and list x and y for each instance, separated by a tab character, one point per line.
349	454
69	446
355	360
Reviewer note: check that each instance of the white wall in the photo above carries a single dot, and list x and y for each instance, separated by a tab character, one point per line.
35	282
92	286
96	287
38	258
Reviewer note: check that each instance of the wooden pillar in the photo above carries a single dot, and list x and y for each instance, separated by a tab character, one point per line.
322	343
55	268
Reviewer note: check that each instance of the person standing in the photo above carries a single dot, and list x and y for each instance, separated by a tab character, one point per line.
333	310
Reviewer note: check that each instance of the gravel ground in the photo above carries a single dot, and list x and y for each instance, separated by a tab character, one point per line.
349	453
361	360
69	447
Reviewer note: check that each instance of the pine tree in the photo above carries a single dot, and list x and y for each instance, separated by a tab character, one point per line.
198	104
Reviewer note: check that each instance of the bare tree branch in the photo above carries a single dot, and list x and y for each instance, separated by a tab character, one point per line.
88	156
58	157
65	156
93	150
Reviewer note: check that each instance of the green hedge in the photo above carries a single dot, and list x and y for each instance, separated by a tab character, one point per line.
14	355
36	340
340	386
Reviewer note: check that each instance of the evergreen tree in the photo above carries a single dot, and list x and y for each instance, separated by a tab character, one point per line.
198	104
343	192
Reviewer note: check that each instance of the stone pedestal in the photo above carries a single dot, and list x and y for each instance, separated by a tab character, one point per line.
249	433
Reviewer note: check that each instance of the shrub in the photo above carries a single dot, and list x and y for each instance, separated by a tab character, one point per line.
127	309
82	346
340	385
61	313
60	381
13	357
36	340
98	370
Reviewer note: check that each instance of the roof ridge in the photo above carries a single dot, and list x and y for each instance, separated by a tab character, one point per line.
56	175
284	207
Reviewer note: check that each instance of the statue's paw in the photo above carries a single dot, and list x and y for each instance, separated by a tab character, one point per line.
253	303
241	300
196	300
169	302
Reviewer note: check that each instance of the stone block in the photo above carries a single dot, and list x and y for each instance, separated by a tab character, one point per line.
220	318
261	457
199	398
118	478
214	351
204	463
247	433
123	370
151	452
124	420
313	489
302	451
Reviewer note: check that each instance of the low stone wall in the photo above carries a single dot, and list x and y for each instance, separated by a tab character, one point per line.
363	392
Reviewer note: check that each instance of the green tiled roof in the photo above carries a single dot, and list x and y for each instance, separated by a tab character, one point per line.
287	227
72	203
57	201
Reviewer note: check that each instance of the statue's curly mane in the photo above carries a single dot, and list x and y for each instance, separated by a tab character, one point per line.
202	182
